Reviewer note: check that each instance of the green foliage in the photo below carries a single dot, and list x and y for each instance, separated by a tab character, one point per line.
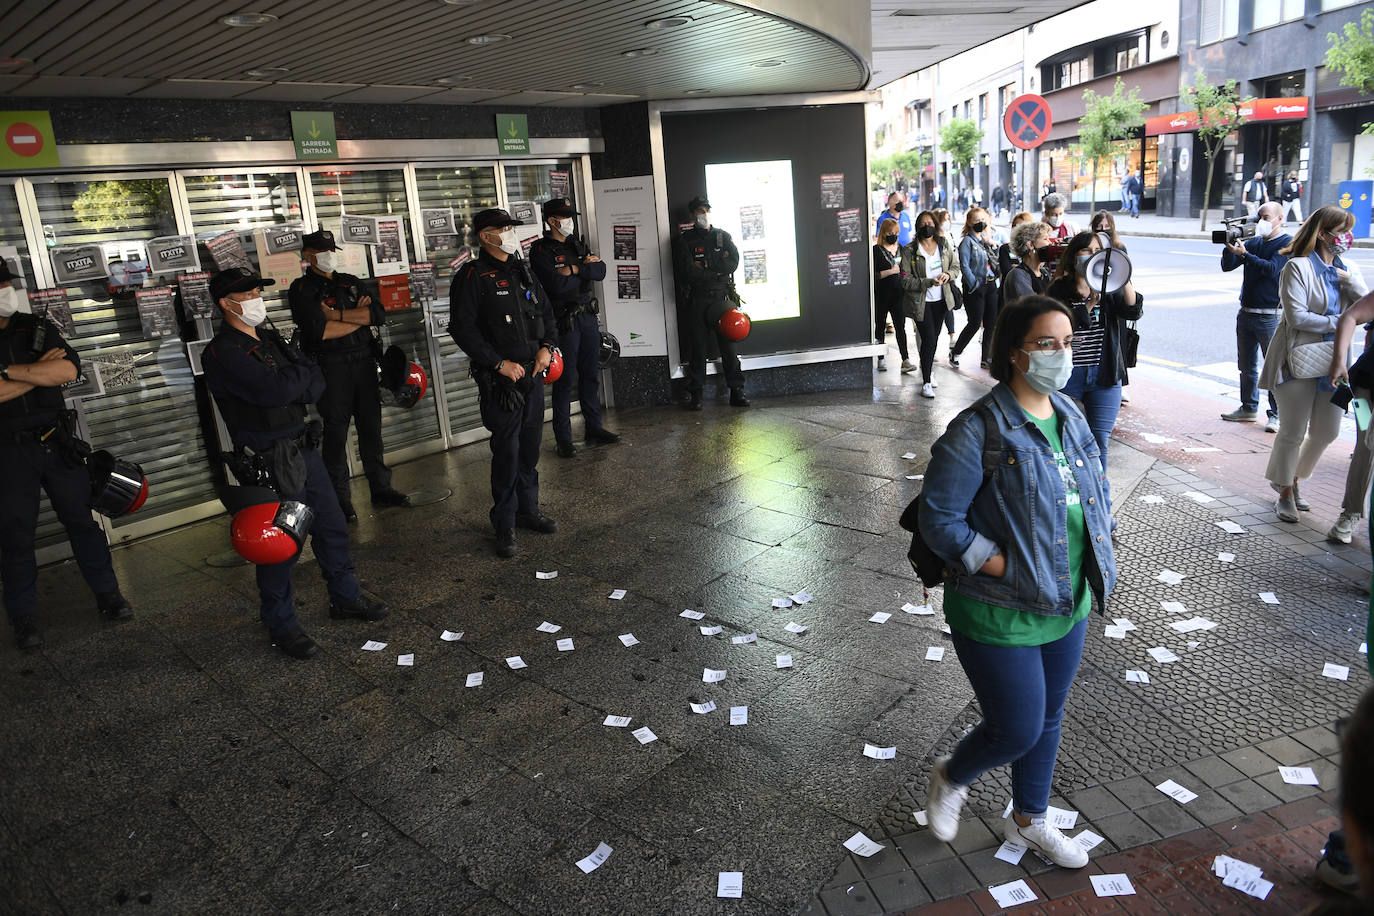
1352	56
960	138
1218	111
132	204
1109	119
908	163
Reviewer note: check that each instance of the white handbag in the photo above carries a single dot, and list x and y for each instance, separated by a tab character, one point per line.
1311	360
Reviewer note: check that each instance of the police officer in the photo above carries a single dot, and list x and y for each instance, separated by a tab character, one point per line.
34	363
705	260
566	268
502	320
262	386
335	316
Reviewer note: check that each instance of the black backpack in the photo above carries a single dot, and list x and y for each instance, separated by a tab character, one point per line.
929	567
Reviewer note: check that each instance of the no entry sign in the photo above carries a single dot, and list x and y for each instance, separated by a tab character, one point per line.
1027	121
29	141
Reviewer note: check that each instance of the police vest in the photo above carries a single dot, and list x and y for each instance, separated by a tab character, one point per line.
42	403
243	415
508	312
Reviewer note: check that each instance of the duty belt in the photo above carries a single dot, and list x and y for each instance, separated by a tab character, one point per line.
357	354
25	436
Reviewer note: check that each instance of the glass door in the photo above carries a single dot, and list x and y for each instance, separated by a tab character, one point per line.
381	192
143	407
467	190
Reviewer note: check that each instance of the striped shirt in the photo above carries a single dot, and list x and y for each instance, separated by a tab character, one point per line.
1087	344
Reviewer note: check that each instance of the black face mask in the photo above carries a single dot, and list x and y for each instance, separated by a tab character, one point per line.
926	231
889	239
979	227
899	206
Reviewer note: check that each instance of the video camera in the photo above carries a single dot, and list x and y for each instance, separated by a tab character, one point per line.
1238	229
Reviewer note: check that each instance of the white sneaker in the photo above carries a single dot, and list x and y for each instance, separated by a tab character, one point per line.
944	801
1285	510
1125	398
927	390
908	366
1048	841
882	363
1344	529
1272	425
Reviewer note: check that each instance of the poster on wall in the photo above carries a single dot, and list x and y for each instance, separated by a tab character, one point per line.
157	312
840	273
72	264
195	295
393	291
464	255
438	221
358	230
753	201
560	184
53	304
171	254
847	223
283	239
424	285
832	191
389	255
525	211
628	227
227	251
88	384
283	267
349	259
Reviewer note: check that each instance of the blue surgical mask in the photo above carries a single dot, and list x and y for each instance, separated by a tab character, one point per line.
1049	370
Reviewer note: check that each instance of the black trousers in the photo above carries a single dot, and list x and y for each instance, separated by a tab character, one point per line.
24	468
698	319
515	439
581	345
890	310
352	393
930	335
329	538
976	306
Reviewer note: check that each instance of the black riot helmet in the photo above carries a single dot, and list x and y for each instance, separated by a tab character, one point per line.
610	349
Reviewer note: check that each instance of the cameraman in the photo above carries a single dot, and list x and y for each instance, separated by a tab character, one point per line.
1259	307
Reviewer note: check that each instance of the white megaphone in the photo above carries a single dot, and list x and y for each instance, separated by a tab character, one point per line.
1108	270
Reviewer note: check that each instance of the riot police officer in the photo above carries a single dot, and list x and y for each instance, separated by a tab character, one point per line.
335	315
566	268
262	385
500	317
34	363
705	260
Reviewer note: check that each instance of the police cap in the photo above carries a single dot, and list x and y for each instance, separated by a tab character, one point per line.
494	218
320	240
6	275
235	280
696	203
559	206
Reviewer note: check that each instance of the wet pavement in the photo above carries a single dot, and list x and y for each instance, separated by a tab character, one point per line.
177	764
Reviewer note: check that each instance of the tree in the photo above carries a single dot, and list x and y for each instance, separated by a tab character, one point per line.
960	139
1218	114
1352	56
1107	121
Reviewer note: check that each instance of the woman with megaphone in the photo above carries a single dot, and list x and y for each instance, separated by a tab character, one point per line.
1095	285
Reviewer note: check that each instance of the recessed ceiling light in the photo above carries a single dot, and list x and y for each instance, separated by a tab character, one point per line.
14	63
269	72
639	52
667	22
489	39
453	80
248	20
768	64
586	86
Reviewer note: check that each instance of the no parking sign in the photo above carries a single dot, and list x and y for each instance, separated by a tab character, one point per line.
1027	121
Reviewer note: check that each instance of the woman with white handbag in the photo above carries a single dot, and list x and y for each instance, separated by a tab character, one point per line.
1314	288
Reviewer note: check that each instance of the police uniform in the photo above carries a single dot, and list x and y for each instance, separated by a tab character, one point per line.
262	386
579	336
349	364
498	313
705	261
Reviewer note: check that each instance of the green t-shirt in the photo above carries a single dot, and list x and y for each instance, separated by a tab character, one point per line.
999	626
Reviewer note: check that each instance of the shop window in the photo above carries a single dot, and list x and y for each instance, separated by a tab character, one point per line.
147	411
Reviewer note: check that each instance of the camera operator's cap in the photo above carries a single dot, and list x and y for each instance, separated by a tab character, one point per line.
495	218
696	203
319	240
6	275
235	280
558	206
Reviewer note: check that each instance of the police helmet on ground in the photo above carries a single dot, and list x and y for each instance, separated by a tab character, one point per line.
610	349
270	533
118	487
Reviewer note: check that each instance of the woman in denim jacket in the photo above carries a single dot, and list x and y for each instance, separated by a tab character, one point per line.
1028	550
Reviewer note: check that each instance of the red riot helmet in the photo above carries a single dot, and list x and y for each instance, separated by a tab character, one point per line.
117	487
734	325
409	392
555	369
270	533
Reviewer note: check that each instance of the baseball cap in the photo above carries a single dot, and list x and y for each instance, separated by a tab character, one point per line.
235	280
6	275
319	240
696	203
558	206
495	217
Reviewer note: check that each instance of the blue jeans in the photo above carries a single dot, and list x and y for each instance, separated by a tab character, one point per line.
1253	333
1134	202
1021	690
1100	405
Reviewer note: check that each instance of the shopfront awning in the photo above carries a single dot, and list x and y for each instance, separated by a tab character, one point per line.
1283	109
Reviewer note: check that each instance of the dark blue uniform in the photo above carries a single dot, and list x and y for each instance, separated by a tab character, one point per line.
704	261
262	388
350	370
499	312
579	335
30	458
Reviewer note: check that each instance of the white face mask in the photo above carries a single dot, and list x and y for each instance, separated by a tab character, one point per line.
704	220
563	226
1263	228
944	228
253	311
508	242
1049	370
9	301
1053	220
326	261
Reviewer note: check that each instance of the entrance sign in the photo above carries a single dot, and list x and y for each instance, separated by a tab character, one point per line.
313	132
1027	121
513	132
29	140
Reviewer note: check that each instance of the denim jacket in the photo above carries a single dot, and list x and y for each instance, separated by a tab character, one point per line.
1020	513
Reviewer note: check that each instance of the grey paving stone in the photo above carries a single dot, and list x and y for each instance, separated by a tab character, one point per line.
1248	795
847	872
1168	818
856	899
922	848
1125	830
990	870
884	862
973	836
1096	802
1214	771
1134	792
1250	761
899	892
947	878
1287	751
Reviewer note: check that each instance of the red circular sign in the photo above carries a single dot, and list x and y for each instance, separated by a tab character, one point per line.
24	139
1027	121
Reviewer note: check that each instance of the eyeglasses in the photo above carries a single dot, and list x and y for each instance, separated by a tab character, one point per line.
1051	343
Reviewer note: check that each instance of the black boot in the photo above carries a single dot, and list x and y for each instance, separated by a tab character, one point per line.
360	608
737	398
113	606
26	635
